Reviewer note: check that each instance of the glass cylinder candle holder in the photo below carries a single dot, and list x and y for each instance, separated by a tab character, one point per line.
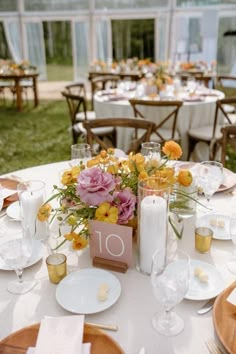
153	203
31	197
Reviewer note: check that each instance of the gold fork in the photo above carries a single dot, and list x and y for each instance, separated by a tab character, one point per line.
213	347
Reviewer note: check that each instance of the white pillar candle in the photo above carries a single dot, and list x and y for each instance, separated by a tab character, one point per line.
30	202
153	229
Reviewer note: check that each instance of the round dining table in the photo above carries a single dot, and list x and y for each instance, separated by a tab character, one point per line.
198	110
133	310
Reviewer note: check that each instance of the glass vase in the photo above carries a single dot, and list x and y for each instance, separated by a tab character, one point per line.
153	203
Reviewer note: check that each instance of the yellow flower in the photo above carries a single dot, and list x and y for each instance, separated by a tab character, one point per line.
70	236
44	212
79	243
143	174
66	178
112	169
168	174
185	178
136	161
172	150
93	162
72	220
107	213
75	171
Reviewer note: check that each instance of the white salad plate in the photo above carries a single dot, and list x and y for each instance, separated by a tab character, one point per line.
200	290
78	291
37	254
218	223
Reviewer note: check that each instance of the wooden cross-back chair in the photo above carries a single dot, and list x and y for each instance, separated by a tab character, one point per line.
78	112
144	126
228	140
211	134
161	132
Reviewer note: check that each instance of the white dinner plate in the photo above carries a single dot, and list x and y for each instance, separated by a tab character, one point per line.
204	290
219	224
13	211
78	291
37	254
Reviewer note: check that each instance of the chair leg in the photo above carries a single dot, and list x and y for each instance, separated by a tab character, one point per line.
191	145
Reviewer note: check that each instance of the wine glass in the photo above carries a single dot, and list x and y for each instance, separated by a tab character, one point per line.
151	151
210	178
170	281
80	153
16	254
231	264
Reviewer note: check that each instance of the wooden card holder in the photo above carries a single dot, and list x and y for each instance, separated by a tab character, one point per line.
110	264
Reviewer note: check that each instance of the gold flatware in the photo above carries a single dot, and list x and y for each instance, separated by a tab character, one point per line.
213	347
103	326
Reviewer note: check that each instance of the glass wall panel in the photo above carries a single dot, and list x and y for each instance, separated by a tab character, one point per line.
56	5
82	42
190	3
131	4
58	46
8	5
226	53
102	40
133	38
162	48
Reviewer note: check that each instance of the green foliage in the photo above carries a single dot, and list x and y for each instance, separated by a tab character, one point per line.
34	136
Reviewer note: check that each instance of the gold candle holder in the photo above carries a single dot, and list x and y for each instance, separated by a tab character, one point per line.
56	265
203	238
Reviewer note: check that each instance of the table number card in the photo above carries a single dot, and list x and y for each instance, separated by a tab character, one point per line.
110	241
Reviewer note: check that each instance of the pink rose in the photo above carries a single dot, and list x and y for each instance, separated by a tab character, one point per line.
94	186
125	201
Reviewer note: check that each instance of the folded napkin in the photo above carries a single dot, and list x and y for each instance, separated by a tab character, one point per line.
6	192
60	335
86	349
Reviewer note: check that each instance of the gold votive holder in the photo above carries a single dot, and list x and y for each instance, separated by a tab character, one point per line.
57	268
203	238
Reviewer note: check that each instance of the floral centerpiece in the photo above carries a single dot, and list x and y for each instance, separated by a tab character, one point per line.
162	77
106	190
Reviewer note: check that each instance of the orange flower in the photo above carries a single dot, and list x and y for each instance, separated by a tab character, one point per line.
79	243
44	212
185	178
172	150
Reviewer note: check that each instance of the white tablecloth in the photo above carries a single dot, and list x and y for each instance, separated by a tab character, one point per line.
134	309
191	115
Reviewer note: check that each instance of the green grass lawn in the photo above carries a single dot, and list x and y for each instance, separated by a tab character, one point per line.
34	136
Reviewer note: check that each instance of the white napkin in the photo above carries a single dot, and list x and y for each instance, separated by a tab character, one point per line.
60	335
5	192
86	349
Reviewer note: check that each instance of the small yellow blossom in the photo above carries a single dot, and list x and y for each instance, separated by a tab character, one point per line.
185	177
72	220
142	175
44	212
66	178
79	243
70	236
107	213
172	150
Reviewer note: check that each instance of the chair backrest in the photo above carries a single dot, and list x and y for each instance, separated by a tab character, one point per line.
77	88
103	82
226	81
169	119
228	140
142	130
221	108
76	103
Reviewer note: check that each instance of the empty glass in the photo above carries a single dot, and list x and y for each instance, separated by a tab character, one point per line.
210	178
16	254
170	282
231	264
151	151
80	153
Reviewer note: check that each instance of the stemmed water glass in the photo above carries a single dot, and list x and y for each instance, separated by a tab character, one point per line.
170	281
16	254
80	153
210	178
231	264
